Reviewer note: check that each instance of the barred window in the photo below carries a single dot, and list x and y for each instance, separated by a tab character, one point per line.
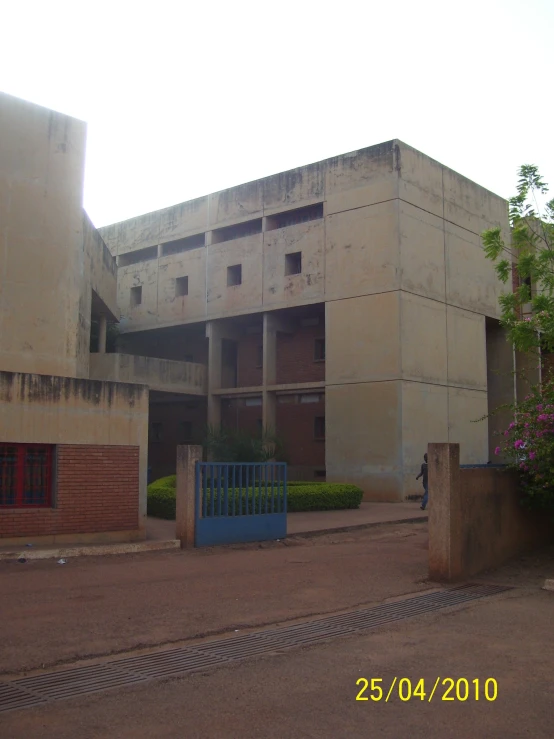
25	475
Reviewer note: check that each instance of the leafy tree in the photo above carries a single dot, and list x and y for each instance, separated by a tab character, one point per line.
528	442
230	445
531	255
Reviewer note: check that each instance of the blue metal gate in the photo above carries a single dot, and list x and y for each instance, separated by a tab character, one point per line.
240	502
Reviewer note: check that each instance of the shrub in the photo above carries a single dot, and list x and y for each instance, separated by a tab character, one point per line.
528	445
318	496
323	496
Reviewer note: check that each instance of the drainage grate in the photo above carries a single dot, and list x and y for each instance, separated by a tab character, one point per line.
31	691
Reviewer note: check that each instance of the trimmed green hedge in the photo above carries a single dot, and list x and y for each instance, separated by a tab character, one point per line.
302	496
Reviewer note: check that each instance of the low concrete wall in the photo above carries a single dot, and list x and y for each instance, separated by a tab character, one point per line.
476	520
166	375
44	409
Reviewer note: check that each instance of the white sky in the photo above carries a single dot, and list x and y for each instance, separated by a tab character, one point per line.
185	98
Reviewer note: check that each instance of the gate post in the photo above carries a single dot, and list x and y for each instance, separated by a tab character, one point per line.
185	498
444	512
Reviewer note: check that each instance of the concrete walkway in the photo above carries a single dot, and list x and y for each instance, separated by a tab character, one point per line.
313	522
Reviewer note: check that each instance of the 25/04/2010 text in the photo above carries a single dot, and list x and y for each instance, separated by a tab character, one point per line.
450	689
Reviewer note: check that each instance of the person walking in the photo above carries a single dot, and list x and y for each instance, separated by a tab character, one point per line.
423	474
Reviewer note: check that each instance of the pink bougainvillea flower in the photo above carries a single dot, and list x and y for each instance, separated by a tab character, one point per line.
532	455
497	451
539	407
511	426
518	444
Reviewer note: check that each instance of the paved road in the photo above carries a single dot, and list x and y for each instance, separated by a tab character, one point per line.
310	693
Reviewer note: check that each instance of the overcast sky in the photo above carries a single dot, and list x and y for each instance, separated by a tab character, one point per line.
186	98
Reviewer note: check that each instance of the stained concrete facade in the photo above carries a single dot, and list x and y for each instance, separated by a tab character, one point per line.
385	243
56	277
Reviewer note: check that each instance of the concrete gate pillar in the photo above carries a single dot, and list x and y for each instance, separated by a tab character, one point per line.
185	498
444	512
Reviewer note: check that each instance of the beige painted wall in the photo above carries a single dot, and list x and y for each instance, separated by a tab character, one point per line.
41	239
39	409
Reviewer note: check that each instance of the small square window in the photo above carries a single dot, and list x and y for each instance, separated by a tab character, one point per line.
319	350
234	275
259	356
181	287
185	432
293	263
319	427
136	296
156	432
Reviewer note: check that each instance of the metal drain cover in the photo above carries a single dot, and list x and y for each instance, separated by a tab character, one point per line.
67	683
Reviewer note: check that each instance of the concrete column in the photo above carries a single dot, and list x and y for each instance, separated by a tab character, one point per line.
102	334
187	456
269	372
214	373
444	512
216	331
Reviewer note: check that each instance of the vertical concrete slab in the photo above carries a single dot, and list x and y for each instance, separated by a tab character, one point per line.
102	335
444	512
269	372
187	456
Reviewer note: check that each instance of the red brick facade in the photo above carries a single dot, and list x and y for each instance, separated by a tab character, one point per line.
96	489
295	425
171	418
296	358
248	361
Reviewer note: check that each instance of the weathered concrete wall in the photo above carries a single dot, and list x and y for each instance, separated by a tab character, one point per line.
42	409
397	260
41	240
476	520
165	375
100	268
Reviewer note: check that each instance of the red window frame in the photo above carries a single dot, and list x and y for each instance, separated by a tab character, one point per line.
26	475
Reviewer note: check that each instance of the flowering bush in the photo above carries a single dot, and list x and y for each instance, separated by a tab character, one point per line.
528	444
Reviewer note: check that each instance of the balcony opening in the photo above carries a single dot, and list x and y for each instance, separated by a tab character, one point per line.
134	257
293	263
185	432
293	217
234	275
181	287
319	350
180	245
229	363
319	428
259	356
238	231
136	296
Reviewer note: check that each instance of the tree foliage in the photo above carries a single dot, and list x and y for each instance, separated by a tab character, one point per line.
528	445
230	445
532	253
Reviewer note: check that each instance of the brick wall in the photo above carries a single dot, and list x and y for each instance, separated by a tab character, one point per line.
295	425
295	356
96	489
249	373
162	455
235	415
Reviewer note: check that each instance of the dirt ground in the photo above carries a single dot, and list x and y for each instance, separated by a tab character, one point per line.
94	607
97	605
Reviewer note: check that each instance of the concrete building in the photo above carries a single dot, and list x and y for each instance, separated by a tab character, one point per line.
348	304
73	451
